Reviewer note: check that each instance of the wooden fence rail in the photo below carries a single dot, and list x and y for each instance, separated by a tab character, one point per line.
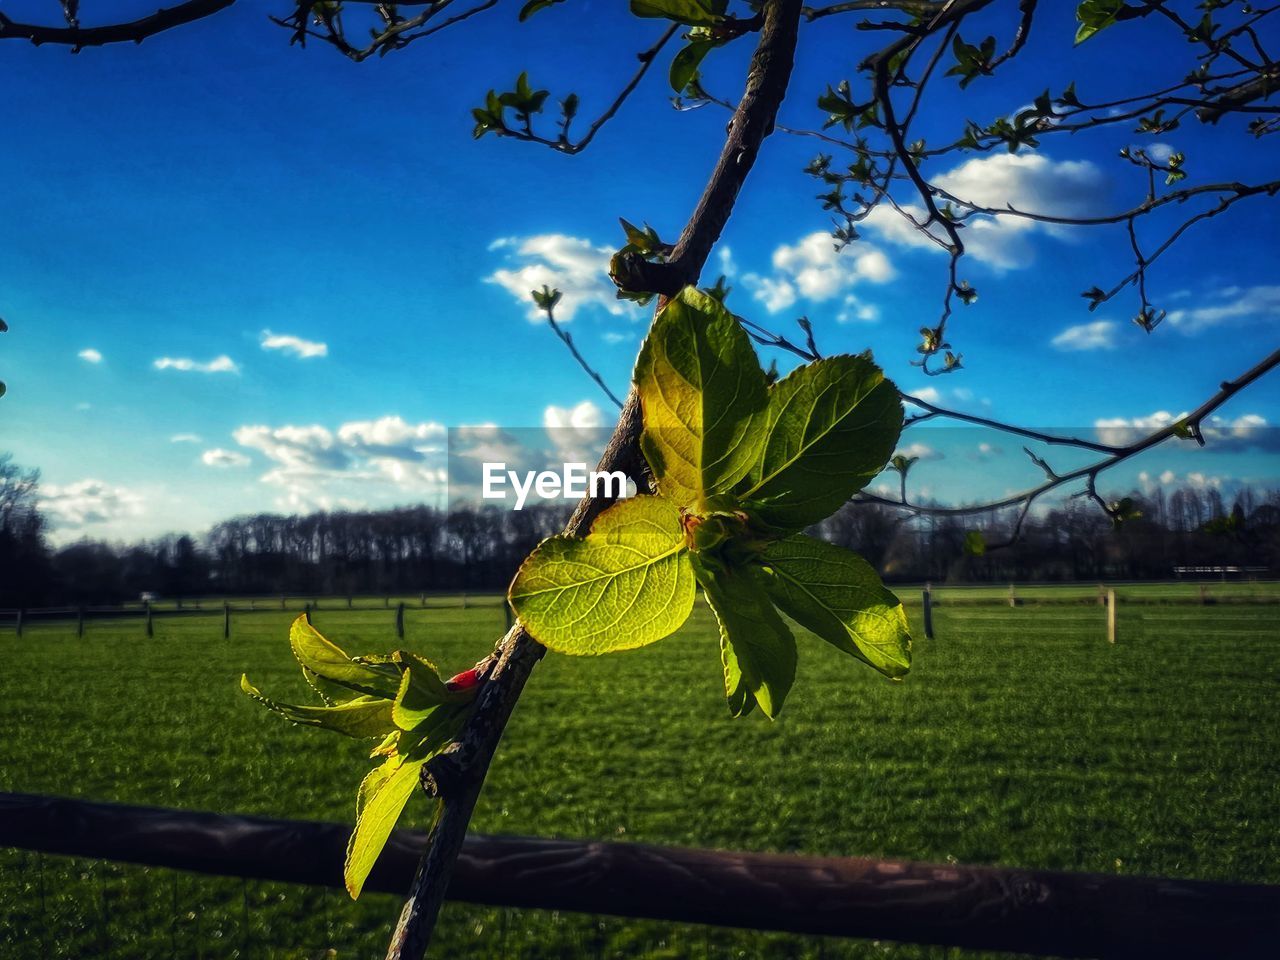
1029	911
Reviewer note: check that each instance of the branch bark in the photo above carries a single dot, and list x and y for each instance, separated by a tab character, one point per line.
458	774
135	31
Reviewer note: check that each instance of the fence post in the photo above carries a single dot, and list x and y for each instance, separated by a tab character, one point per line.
80	621
928	611
386	602
1111	616
150	628
507	608
464	601
226	620
306	612
1013	597
1102	595
422	601
400	620
348	601
282	601
21	614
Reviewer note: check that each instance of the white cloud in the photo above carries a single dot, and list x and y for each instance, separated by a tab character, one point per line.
218	457
572	265
1196	479
921	451
1098	335
288	343
728	266
854	310
219	364
1232	304
185	438
387	459
90	355
927	394
986	451
813	269
1028	182
392	437
1244	432
1159	152
615	336
577	433
88	502
584	416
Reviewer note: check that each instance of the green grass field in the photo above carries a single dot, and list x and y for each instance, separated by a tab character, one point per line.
1021	738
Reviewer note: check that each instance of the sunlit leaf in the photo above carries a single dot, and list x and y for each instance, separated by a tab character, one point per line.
756	647
829	428
625	585
839	596
701	389
362	717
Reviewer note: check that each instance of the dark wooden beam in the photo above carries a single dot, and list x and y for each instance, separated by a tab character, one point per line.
1029	911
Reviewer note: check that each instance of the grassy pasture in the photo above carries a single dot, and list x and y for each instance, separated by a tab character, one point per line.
1021	738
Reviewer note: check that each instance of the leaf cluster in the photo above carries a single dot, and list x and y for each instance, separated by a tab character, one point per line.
743	465
398	700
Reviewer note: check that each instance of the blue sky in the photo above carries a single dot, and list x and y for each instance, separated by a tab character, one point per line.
292	271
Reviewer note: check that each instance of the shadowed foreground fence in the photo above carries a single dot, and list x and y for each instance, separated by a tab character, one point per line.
1029	911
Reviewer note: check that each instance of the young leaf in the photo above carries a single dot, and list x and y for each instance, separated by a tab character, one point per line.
837	595
829	428
421	693
701	388
684	66
535	6
757	649
327	661
627	584
1095	16
382	796
693	12
360	718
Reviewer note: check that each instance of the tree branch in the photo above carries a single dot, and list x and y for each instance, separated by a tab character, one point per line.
1190	425
135	31
506	670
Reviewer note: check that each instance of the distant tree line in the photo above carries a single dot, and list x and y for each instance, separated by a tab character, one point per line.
408	550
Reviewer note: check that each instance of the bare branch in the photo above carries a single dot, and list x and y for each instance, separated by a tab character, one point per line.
135	31
1190	425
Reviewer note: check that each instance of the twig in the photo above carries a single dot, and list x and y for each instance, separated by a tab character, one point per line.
1191	424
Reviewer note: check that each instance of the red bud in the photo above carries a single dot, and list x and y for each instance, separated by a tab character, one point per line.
463	681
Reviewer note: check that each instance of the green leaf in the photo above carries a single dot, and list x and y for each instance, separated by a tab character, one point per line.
329	663
829	428
382	797
693	12
701	388
975	544
756	648
422	692
625	585
361	718
536	6
684	66
838	595
1095	16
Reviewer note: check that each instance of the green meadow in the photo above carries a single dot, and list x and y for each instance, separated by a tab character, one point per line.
1020	738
